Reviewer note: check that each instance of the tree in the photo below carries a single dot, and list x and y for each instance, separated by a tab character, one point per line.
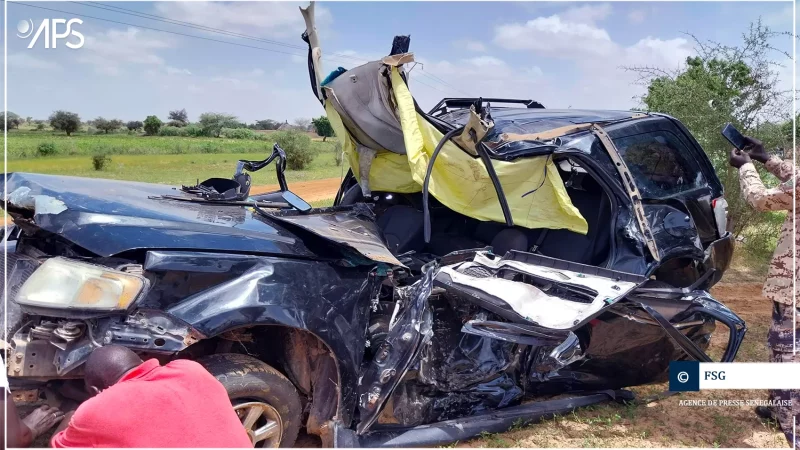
28	119
178	118
107	125
39	125
14	121
134	125
151	125
68	122
267	124
302	123
323	127
213	123
736	84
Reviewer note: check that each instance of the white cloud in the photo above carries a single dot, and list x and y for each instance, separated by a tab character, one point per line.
485	76
263	19
485	61
471	45
554	36
176	71
637	16
25	61
588	14
112	50
599	79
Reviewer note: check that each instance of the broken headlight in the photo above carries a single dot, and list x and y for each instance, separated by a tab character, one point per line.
66	284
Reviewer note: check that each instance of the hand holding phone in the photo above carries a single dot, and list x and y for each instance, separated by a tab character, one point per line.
734	136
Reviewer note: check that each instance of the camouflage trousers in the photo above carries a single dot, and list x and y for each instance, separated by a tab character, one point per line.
780	343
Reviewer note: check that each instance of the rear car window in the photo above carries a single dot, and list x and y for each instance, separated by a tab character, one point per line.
660	163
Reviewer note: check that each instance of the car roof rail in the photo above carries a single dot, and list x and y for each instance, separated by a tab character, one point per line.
448	104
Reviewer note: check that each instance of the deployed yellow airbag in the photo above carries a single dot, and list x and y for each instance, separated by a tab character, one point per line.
460	181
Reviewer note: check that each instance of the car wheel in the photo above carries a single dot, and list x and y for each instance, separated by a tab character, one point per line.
266	402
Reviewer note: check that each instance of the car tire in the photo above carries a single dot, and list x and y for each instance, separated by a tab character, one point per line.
251	381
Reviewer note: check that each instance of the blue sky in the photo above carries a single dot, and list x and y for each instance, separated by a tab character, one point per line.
563	54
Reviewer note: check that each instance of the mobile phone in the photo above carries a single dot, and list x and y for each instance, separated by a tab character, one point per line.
733	136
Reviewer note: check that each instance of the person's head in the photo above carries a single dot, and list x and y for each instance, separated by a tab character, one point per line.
106	365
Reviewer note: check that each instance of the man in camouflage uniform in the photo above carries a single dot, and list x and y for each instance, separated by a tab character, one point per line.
783	273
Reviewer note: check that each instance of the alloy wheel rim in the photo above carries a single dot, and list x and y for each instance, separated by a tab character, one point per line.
262	423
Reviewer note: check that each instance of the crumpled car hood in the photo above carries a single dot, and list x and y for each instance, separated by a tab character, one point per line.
108	217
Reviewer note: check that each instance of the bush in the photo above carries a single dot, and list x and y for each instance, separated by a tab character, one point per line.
151	125
297	146
213	123
237	133
194	130
47	149
99	162
172	131
339	155
39	126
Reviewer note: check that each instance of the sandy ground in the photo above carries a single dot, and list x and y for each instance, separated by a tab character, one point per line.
310	191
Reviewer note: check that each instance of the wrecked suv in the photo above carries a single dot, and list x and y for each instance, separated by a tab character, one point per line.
480	261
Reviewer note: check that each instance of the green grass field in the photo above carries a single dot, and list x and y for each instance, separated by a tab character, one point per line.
24	144
154	159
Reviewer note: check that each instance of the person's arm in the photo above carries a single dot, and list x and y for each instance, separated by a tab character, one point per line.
783	170
19	435
761	198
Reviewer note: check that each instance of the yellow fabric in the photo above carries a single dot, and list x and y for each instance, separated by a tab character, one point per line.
462	183
389	170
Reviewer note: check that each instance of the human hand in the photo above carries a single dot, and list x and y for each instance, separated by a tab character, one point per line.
755	149
42	419
738	158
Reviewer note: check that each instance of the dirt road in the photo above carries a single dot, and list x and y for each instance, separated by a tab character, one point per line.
666	423
310	191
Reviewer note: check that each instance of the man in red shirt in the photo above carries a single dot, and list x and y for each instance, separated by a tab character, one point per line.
144	404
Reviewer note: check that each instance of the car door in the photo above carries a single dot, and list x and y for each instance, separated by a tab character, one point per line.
676	193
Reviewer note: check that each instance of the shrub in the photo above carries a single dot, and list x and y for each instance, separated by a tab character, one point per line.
47	148
339	155
100	161
151	125
172	131
237	133
39	126
297	146
195	130
213	123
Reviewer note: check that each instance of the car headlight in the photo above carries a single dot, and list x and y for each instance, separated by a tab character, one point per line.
66	284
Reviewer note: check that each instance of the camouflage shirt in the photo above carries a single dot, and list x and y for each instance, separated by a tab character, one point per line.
780	280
